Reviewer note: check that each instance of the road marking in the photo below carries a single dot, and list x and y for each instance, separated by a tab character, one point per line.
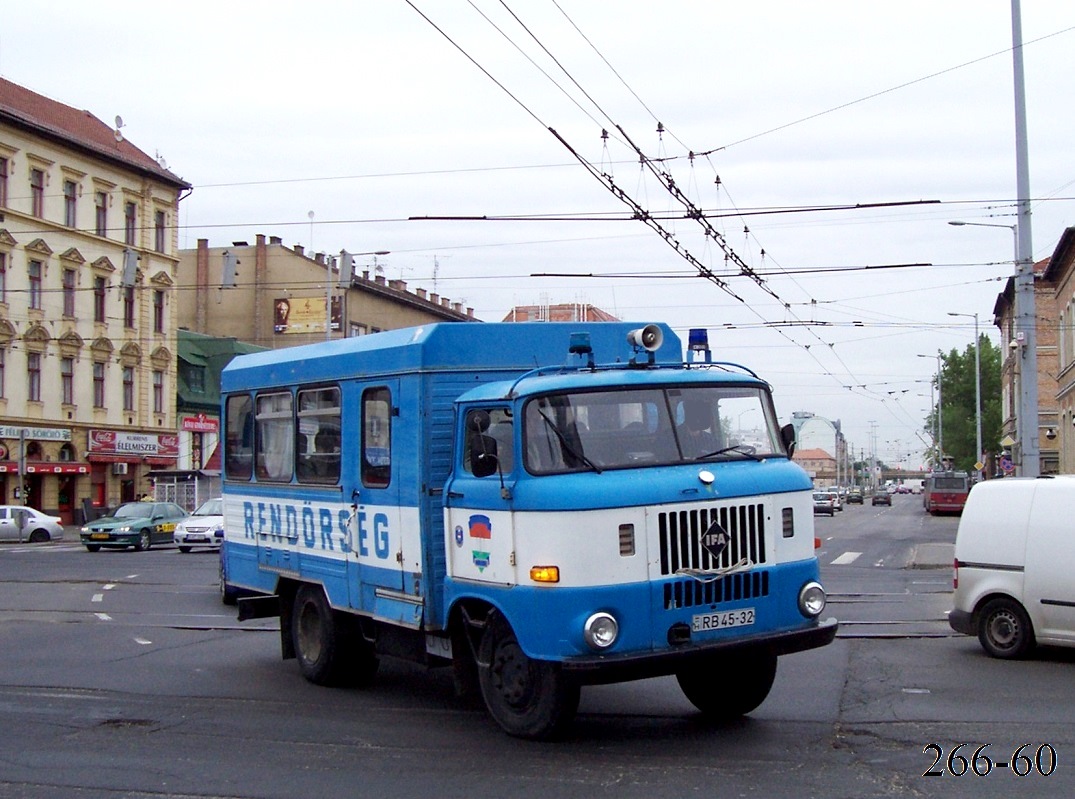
108	586
846	558
142	641
98	598
103	616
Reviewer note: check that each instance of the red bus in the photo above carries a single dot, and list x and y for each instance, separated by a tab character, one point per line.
945	492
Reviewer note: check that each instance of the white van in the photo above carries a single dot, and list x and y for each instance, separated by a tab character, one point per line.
1015	565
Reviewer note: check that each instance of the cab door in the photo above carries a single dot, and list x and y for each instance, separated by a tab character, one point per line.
481	537
377	559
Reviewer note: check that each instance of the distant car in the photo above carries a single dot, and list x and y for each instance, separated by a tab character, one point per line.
837	503
203	528
881	497
134	524
20	523
854	497
823	503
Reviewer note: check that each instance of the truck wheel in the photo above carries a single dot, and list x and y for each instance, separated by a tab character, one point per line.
725	687
143	542
329	653
1004	629
530	699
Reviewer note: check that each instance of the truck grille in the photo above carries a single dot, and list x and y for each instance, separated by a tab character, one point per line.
681	537
730	588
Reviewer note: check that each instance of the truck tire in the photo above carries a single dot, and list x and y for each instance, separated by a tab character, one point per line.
1004	629
530	699
725	687
329	652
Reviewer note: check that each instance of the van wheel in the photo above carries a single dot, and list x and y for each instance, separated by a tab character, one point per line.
530	699
1004	629
726	687
329	652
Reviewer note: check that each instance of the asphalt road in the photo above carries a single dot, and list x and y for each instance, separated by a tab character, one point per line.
122	675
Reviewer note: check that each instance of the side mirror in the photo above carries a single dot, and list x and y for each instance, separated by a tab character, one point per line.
787	435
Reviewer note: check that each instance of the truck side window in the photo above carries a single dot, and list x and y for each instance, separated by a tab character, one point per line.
489	433
275	444
239	437
318	456
376	437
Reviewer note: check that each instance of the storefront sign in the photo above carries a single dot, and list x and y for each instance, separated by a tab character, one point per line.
38	433
199	424
134	445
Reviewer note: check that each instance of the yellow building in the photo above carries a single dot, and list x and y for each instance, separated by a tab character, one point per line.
88	268
276	296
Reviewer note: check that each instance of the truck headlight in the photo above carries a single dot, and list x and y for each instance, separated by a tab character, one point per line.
600	630
811	600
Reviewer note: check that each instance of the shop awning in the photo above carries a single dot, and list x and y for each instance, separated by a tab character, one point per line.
45	467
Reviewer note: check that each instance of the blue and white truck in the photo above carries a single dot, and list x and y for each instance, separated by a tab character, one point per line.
539	506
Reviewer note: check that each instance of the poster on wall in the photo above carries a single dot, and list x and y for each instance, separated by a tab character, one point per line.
293	315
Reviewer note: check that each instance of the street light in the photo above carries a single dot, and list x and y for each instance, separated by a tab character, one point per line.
1026	328
977	393
938	439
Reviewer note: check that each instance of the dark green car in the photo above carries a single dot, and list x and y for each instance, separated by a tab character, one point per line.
134	524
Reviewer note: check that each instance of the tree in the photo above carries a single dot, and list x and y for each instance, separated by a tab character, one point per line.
958	425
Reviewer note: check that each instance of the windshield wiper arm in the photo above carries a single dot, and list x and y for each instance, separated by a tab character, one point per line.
566	444
745	450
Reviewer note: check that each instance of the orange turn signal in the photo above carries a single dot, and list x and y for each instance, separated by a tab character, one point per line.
545	574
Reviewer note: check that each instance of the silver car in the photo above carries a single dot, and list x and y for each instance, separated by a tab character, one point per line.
19	523
203	528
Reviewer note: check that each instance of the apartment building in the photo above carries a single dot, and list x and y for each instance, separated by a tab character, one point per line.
88	276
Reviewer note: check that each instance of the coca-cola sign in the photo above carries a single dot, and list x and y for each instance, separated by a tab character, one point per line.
137	445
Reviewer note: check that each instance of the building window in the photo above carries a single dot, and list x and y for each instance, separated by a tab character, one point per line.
37	193
33	376
193	376
36	269
130	216
3	277
128	388
158	391
70	203
158	231
67	381
99	293
3	182
69	292
100	203
128	306
98	384
3	363
158	311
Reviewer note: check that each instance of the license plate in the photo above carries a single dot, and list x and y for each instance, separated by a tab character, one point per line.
196	539
702	622
99	536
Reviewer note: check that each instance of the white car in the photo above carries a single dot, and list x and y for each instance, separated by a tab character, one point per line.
203	528
19	523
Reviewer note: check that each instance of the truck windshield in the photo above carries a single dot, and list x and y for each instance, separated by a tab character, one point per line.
618	429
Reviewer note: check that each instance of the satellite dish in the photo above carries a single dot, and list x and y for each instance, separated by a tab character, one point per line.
119	122
116	132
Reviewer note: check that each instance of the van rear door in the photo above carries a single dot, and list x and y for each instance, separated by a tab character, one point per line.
1050	562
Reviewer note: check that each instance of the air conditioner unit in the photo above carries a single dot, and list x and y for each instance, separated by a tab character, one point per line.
119	468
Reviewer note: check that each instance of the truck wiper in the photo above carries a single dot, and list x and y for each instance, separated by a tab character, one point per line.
745	450
566	445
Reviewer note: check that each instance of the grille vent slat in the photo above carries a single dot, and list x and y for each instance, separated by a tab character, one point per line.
680	534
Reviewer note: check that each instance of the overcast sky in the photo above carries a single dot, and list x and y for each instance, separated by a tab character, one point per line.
367	115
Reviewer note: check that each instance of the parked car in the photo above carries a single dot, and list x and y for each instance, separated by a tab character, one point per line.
881	497
837	503
854	496
1014	587
823	503
134	524
203	528
20	523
